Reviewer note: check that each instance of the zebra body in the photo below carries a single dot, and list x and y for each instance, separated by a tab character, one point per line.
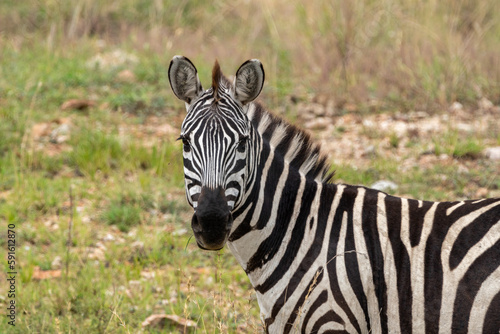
322	257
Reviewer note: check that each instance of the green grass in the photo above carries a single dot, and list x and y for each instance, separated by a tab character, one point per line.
122	215
457	146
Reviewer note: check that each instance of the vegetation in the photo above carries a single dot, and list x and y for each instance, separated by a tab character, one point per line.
95	188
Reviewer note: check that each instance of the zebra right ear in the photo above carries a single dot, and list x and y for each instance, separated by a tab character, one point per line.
183	78
249	81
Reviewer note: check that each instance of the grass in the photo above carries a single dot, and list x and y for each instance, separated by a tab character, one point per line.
131	252
463	148
125	191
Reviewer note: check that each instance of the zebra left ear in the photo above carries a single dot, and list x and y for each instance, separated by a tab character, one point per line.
249	81
184	80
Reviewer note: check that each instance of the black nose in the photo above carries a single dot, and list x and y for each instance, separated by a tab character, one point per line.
212	220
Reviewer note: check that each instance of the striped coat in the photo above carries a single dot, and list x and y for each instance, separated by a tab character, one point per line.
324	257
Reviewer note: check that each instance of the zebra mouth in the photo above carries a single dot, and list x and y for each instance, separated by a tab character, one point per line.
208	249
211	233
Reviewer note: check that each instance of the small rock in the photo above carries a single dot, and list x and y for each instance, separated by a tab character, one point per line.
95	253
163	302
111	60
492	153
39	130
126	76
134	285
56	263
330	108
51	224
482	193
456	107
137	245
209	280
415	115
484	104
132	233
461	169
60	134
179	232
465	127
157	289
368	123
319	123
384	185
370	151
108	237
148	274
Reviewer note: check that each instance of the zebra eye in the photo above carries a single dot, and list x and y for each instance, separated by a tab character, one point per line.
186	145
242	144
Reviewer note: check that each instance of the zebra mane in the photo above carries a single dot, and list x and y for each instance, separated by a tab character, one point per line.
216	77
294	144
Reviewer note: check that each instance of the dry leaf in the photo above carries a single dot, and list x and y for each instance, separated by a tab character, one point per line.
39	130
126	76
77	104
45	274
160	320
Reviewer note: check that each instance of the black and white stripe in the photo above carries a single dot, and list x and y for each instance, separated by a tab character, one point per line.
328	258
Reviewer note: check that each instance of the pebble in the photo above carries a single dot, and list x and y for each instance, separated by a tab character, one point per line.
137	245
179	232
482	193
492	153
485	104
56	263
456	107
317	123
60	134
126	76
384	185
370	151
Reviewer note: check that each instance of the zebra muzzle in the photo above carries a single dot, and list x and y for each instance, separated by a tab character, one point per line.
212	220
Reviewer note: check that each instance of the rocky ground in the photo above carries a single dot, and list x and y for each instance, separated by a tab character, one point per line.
413	140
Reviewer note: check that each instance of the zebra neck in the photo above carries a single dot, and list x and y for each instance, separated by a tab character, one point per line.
280	209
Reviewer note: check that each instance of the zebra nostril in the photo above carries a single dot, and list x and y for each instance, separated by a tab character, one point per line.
195	224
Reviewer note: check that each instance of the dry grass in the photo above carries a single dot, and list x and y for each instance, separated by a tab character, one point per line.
408	55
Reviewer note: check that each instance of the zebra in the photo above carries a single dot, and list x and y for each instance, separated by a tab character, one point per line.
325	257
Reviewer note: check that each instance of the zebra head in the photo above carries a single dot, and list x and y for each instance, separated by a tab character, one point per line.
216	136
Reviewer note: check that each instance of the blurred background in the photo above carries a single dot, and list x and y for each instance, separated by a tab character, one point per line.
376	54
403	95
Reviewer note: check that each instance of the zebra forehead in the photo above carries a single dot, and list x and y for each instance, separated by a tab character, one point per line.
213	131
215	122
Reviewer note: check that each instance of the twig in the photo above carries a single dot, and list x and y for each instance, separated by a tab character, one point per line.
70	227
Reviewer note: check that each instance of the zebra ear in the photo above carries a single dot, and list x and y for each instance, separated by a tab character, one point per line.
249	81
183	78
